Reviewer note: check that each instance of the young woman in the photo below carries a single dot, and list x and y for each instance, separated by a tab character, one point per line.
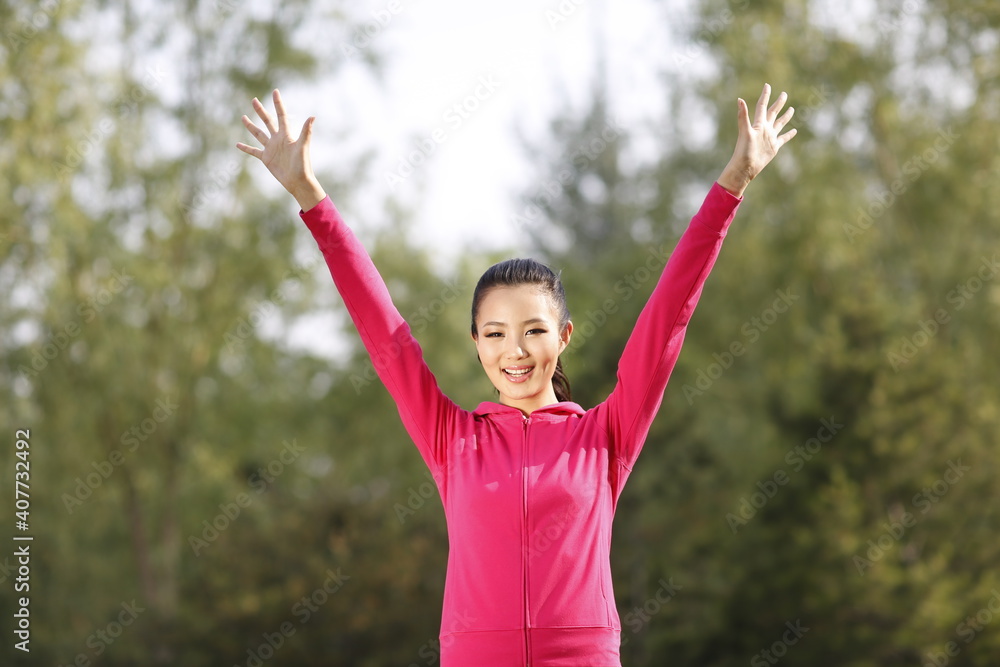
529	483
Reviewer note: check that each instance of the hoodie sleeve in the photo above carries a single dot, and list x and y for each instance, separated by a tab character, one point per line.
428	415
652	350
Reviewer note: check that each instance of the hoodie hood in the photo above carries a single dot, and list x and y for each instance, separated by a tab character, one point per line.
561	408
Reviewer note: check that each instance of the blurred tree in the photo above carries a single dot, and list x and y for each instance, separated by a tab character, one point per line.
875	224
167	419
838	371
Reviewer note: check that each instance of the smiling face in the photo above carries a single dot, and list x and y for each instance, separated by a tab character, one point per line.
519	341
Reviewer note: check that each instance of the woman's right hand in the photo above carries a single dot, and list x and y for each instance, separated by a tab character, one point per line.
286	158
758	142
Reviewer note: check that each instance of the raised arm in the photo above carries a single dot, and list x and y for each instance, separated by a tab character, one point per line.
653	348
429	416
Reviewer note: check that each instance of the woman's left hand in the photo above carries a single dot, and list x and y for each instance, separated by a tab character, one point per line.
758	142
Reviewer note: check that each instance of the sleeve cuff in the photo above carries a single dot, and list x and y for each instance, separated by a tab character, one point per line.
326	200
718	209
726	193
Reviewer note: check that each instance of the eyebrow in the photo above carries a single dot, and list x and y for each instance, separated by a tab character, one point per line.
533	320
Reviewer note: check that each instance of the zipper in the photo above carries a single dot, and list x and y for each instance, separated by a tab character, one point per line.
524	538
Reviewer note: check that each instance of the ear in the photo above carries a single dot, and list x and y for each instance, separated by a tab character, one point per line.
567	333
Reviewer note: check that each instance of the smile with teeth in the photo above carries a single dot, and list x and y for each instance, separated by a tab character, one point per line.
518	374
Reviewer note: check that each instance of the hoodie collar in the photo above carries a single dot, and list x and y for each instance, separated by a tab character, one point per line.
561	408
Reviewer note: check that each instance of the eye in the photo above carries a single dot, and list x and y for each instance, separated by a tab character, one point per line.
493	334
537	331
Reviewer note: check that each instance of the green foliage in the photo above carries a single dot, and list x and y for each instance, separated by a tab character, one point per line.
846	293
187	458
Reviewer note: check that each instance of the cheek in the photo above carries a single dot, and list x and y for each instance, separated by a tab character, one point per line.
550	352
487	356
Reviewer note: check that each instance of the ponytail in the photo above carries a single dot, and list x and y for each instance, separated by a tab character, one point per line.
560	383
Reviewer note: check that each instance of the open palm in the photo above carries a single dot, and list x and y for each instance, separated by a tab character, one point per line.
758	141
286	157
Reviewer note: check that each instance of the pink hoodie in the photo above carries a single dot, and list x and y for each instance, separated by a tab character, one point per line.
528	500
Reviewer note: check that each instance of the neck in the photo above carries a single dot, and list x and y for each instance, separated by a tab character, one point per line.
531	403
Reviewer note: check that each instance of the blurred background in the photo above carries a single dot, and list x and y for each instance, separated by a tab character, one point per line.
217	476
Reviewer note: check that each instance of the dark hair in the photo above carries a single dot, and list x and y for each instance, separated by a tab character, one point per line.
516	272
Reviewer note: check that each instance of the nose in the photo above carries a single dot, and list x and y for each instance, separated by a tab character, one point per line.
515	349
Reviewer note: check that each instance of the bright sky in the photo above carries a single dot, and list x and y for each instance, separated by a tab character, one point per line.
506	66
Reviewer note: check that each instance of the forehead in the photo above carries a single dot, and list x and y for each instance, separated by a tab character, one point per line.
515	304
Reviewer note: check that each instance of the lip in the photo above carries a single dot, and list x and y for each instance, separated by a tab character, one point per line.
518	379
